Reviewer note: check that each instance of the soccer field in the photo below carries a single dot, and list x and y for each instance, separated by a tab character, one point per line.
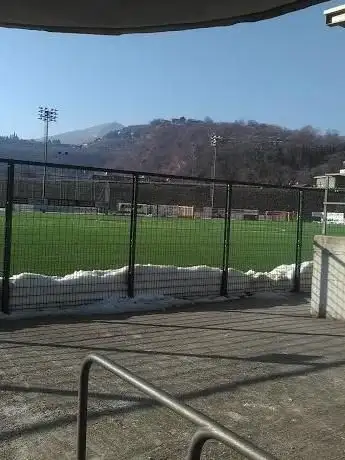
57	244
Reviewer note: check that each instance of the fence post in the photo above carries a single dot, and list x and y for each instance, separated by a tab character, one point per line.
299	239
5	295
226	242
325	207
132	236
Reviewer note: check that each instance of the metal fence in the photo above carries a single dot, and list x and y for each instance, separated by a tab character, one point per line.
98	236
208	429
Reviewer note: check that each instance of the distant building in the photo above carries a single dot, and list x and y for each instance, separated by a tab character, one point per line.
179	121
331	180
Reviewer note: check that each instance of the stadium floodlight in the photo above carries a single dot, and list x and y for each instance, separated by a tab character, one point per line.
214	141
47	116
335	16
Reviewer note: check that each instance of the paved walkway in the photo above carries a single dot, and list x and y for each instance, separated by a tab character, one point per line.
261	366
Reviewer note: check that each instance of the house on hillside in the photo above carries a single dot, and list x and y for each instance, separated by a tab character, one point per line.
331	180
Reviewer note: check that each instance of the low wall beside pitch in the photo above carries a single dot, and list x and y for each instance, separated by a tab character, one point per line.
328	282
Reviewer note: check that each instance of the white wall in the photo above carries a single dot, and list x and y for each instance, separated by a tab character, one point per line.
328	283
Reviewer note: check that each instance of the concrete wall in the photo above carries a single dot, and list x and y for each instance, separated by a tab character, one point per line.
328	283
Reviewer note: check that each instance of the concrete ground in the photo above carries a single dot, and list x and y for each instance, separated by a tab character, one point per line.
260	366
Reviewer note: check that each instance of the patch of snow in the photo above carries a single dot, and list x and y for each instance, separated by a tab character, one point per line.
280	278
109	305
237	417
156	287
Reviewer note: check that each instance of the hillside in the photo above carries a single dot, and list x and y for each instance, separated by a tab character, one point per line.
83	136
249	151
22	149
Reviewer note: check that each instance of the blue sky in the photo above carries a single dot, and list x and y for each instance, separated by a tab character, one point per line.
288	71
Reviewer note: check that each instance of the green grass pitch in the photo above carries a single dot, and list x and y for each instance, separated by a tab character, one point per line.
57	244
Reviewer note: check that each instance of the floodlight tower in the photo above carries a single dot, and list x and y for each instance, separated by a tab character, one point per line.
214	141
47	116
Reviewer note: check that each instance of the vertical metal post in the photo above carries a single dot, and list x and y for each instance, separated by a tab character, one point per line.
60	186
299	240
93	192
76	188
107	196
325	204
46	127
226	243
133	235
5	296
213	176
82	412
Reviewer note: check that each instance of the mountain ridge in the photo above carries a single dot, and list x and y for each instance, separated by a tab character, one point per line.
86	135
250	151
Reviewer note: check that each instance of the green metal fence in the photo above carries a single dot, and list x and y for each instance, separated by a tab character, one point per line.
99	235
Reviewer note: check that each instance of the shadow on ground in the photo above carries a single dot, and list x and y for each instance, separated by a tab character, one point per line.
260	366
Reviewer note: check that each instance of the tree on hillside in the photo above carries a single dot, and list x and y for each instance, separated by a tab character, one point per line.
250	151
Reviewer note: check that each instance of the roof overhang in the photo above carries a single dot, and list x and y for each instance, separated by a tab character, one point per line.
335	16
115	17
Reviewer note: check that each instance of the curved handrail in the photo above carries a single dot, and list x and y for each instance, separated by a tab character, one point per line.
209	428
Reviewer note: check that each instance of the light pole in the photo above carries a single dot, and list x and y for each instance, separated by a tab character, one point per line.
76	178
214	139
47	116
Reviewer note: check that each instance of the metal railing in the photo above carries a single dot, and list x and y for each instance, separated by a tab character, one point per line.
47	241
208	428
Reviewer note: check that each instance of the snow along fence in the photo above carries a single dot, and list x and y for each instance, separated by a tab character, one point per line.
38	292
167	247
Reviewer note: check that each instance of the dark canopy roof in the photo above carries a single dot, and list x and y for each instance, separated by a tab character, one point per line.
114	17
